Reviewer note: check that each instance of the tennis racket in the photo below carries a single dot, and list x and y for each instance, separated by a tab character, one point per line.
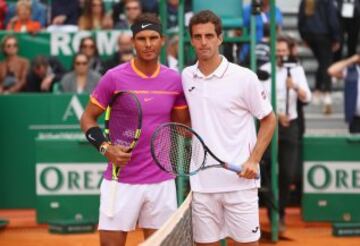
179	150
123	120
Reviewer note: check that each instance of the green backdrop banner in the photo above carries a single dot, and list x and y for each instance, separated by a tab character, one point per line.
63	45
27	117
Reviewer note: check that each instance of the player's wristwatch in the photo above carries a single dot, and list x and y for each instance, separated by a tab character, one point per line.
104	147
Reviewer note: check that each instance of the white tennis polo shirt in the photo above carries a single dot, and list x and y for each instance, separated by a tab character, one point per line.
222	107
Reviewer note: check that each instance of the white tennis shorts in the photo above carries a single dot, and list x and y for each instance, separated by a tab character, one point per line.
148	205
229	214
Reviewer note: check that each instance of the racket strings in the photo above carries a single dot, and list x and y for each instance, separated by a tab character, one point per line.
123	122
177	150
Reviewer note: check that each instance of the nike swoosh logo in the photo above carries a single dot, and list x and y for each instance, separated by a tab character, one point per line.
93	139
146	25
148	99
256	229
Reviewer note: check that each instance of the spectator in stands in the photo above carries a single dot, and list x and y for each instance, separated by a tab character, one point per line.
291	85
150	6
262	49
65	14
132	10
81	79
172	53
298	189
22	21
319	28
262	19
172	13
44	74
89	48
117	11
107	22
93	15
349	19
349	70
124	53
38	12
14	68
3	10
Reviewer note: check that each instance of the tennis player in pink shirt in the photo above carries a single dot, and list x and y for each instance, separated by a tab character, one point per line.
146	196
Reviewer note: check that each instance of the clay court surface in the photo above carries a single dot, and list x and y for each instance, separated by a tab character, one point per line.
23	230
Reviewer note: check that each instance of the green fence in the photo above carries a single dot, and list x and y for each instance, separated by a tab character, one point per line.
331	179
68	175
25	118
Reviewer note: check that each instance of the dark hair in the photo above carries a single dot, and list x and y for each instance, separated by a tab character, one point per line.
129	1
82	42
4	41
283	38
204	17
147	17
291	43
266	29
87	15
76	56
40	61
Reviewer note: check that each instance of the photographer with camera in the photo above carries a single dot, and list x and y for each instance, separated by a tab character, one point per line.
291	85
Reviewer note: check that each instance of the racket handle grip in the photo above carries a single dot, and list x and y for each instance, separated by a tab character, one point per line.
111	206
237	169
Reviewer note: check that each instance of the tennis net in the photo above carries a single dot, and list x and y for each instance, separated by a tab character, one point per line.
177	231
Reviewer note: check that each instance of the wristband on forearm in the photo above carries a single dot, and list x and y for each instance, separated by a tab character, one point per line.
95	136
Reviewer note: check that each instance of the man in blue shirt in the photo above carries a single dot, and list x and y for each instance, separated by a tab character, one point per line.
261	19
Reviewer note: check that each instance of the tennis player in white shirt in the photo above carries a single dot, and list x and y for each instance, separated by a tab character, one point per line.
223	100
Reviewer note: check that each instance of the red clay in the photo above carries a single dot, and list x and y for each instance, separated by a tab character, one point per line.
23	230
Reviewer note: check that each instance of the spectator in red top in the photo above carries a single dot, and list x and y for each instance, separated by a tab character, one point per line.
3	10
22	22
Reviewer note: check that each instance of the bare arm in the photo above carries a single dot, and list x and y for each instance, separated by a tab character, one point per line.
266	131
90	116
336	69
181	115
115	154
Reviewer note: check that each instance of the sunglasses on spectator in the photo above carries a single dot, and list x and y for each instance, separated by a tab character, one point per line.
11	45
127	52
83	63
132	8
92	46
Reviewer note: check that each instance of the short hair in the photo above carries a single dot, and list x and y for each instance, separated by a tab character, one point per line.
129	1
283	38
147	17
40	61
204	17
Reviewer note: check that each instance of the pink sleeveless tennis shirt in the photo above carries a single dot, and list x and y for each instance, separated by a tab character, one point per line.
158	94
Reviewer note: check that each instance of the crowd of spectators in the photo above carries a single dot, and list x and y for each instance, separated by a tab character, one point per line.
325	27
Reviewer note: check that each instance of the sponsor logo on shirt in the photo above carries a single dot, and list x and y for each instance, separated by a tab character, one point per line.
255	230
191	89
263	95
148	99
